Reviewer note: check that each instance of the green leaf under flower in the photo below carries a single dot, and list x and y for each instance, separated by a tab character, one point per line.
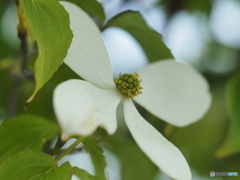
24	132
35	166
97	157
82	174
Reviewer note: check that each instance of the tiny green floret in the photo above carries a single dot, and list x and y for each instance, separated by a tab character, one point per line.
128	85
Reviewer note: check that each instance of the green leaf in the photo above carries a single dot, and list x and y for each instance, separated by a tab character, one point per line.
97	157
92	7
35	166
231	144
150	40
204	6
134	163
48	23
173	7
24	132
59	173
82	174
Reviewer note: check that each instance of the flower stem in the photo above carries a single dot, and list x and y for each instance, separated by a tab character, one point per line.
70	148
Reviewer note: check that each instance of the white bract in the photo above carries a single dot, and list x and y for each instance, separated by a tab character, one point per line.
171	91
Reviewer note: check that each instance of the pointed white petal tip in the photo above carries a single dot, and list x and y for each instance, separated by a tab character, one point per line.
87	55
163	153
81	107
174	92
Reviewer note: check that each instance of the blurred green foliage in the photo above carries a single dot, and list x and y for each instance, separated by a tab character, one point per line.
132	159
232	142
173	6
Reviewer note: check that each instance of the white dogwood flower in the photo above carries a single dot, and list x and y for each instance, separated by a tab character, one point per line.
171	91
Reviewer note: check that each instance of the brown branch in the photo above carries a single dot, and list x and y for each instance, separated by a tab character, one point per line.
16	76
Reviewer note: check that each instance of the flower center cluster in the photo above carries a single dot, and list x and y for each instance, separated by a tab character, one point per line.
128	85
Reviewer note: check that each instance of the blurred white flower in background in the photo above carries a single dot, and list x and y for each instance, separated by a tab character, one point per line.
186	35
122	47
225	24
171	91
8	28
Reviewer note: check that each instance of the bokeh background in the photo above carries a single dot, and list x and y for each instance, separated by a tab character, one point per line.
204	34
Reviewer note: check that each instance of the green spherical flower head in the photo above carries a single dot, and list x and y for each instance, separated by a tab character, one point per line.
128	85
